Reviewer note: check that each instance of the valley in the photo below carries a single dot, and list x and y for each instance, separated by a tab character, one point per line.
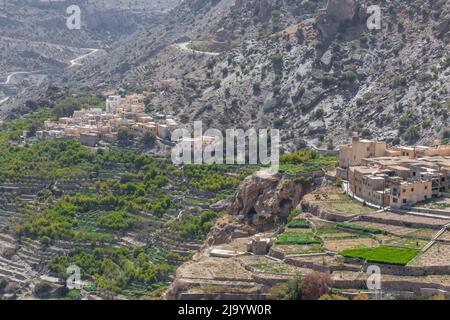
89	122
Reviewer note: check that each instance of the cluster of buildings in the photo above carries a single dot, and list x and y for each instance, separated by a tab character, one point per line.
93	127
396	177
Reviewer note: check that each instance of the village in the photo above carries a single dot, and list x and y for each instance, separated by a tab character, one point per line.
96	127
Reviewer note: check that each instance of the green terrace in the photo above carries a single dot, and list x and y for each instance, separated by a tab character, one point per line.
383	254
305	162
297	238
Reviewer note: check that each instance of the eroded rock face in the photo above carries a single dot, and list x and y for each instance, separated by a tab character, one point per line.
263	197
443	28
337	11
342	9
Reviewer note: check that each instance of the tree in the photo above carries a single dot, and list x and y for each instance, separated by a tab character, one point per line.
125	136
148	139
256	88
295	289
315	285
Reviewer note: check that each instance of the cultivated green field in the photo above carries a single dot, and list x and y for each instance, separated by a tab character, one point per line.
383	254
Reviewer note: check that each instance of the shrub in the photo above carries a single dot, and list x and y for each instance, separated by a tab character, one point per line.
43	290
361	297
295	288
315	285
279	292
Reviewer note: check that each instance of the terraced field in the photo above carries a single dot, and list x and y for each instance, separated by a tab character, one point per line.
437	255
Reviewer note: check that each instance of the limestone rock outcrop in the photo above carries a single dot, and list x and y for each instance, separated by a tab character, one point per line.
264	197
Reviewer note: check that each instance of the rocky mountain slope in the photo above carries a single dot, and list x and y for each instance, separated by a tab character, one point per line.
312	69
30	29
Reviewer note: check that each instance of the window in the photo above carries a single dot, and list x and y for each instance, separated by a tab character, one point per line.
404	191
412	189
395	200
426	187
404	200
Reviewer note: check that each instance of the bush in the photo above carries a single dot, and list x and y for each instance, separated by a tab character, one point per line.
361	297
279	292
295	288
315	285
43	290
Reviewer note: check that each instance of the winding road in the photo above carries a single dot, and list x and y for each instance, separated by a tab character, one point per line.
185	47
9	77
76	61
73	63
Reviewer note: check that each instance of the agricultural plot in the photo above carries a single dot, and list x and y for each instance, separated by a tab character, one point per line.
408	243
383	254
301	238
445	236
437	204
265	265
344	244
298	224
422	234
397	230
437	255
334	201
359	228
406	220
289	250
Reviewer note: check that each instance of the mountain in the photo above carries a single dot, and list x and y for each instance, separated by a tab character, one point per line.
36	44
312	69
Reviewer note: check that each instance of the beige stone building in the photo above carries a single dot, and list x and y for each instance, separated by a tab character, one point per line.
352	154
401	176
407	193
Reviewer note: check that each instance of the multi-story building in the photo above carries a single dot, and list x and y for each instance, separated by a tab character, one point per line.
398	177
352	154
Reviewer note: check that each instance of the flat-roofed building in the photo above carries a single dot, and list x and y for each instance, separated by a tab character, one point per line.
112	103
407	193
375	191
352	154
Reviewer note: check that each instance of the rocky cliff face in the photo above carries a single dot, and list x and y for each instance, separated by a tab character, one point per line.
265	198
